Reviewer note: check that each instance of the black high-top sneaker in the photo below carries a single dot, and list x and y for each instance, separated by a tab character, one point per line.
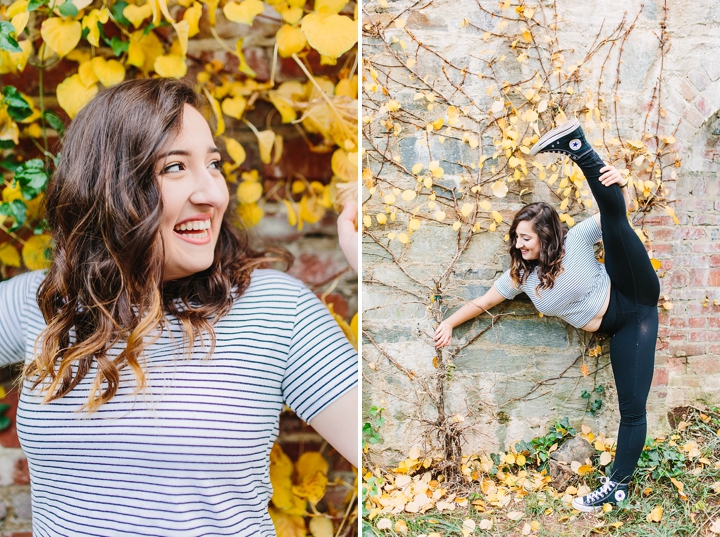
609	492
567	139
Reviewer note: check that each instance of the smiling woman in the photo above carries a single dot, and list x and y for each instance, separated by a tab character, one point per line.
159	350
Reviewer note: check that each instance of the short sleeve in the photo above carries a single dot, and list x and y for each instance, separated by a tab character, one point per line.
587	232
16	296
322	364
506	287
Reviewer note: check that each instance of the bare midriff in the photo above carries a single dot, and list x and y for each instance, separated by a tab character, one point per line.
594	324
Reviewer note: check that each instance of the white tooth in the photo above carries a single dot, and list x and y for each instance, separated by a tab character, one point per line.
195	225
183	227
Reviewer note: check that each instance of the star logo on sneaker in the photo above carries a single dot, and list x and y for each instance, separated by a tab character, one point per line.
619	495
575	144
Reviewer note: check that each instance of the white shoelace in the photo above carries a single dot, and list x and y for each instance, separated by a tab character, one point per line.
607	485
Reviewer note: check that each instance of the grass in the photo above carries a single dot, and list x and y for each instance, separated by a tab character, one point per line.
679	474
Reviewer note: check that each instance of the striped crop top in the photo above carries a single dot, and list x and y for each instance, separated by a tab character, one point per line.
579	292
189	457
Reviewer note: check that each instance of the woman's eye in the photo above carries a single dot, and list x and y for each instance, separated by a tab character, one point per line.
173	168
217	164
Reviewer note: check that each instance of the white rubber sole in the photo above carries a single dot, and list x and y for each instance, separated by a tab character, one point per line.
554	134
584	508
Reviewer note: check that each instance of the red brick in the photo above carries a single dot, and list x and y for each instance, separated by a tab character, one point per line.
316	269
687	349
706	247
690	233
658	220
340	304
661	346
714	321
679	322
21	473
714	349
16	534
660	377
663	332
677	336
662	250
697	322
680	278
690	261
704	107
706	220
694	205
704	336
714	261
707	364
664	234
687	91
8	438
689	293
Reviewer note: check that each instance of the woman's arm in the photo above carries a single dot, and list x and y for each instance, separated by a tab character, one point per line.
610	176
443	333
338	424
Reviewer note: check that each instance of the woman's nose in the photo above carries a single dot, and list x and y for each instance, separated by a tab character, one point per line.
209	190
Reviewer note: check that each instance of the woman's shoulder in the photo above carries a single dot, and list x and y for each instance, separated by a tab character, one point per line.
24	285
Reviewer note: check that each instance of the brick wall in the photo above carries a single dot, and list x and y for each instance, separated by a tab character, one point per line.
318	258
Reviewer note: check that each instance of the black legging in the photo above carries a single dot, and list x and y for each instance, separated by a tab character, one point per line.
631	318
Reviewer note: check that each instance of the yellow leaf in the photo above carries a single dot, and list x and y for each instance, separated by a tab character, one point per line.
266	140
61	35
440	216
243	12
500	188
217	112
143	50
344	168
403	238
137	14
234	106
497	216
19	6
384	524
331	36
292	214
585	370
367	221
287	525
312	487
72	94
9	255
329	7
655	515
401	526
408	195
35	252
456	225
19	21
417	168
321	527
290	40
515	515
87	73
91	20
108	72
291	15
192	16
14	62
249	192
655	263
171	66
284	106
250	214
466	209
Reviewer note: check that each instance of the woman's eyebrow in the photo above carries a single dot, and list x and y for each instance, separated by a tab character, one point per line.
185	152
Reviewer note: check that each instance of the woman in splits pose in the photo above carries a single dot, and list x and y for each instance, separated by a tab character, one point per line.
158	351
560	274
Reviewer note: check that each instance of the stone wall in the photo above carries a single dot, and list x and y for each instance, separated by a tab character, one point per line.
493	382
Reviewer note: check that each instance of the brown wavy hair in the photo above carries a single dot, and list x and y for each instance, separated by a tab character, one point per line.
105	285
546	223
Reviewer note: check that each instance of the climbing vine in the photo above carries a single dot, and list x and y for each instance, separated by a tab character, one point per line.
447	131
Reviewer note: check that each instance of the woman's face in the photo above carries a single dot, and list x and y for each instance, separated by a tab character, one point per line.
194	196
527	241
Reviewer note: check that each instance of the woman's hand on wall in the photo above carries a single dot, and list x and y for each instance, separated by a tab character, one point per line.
443	334
348	235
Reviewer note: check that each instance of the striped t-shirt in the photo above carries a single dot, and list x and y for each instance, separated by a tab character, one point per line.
580	290
190	456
